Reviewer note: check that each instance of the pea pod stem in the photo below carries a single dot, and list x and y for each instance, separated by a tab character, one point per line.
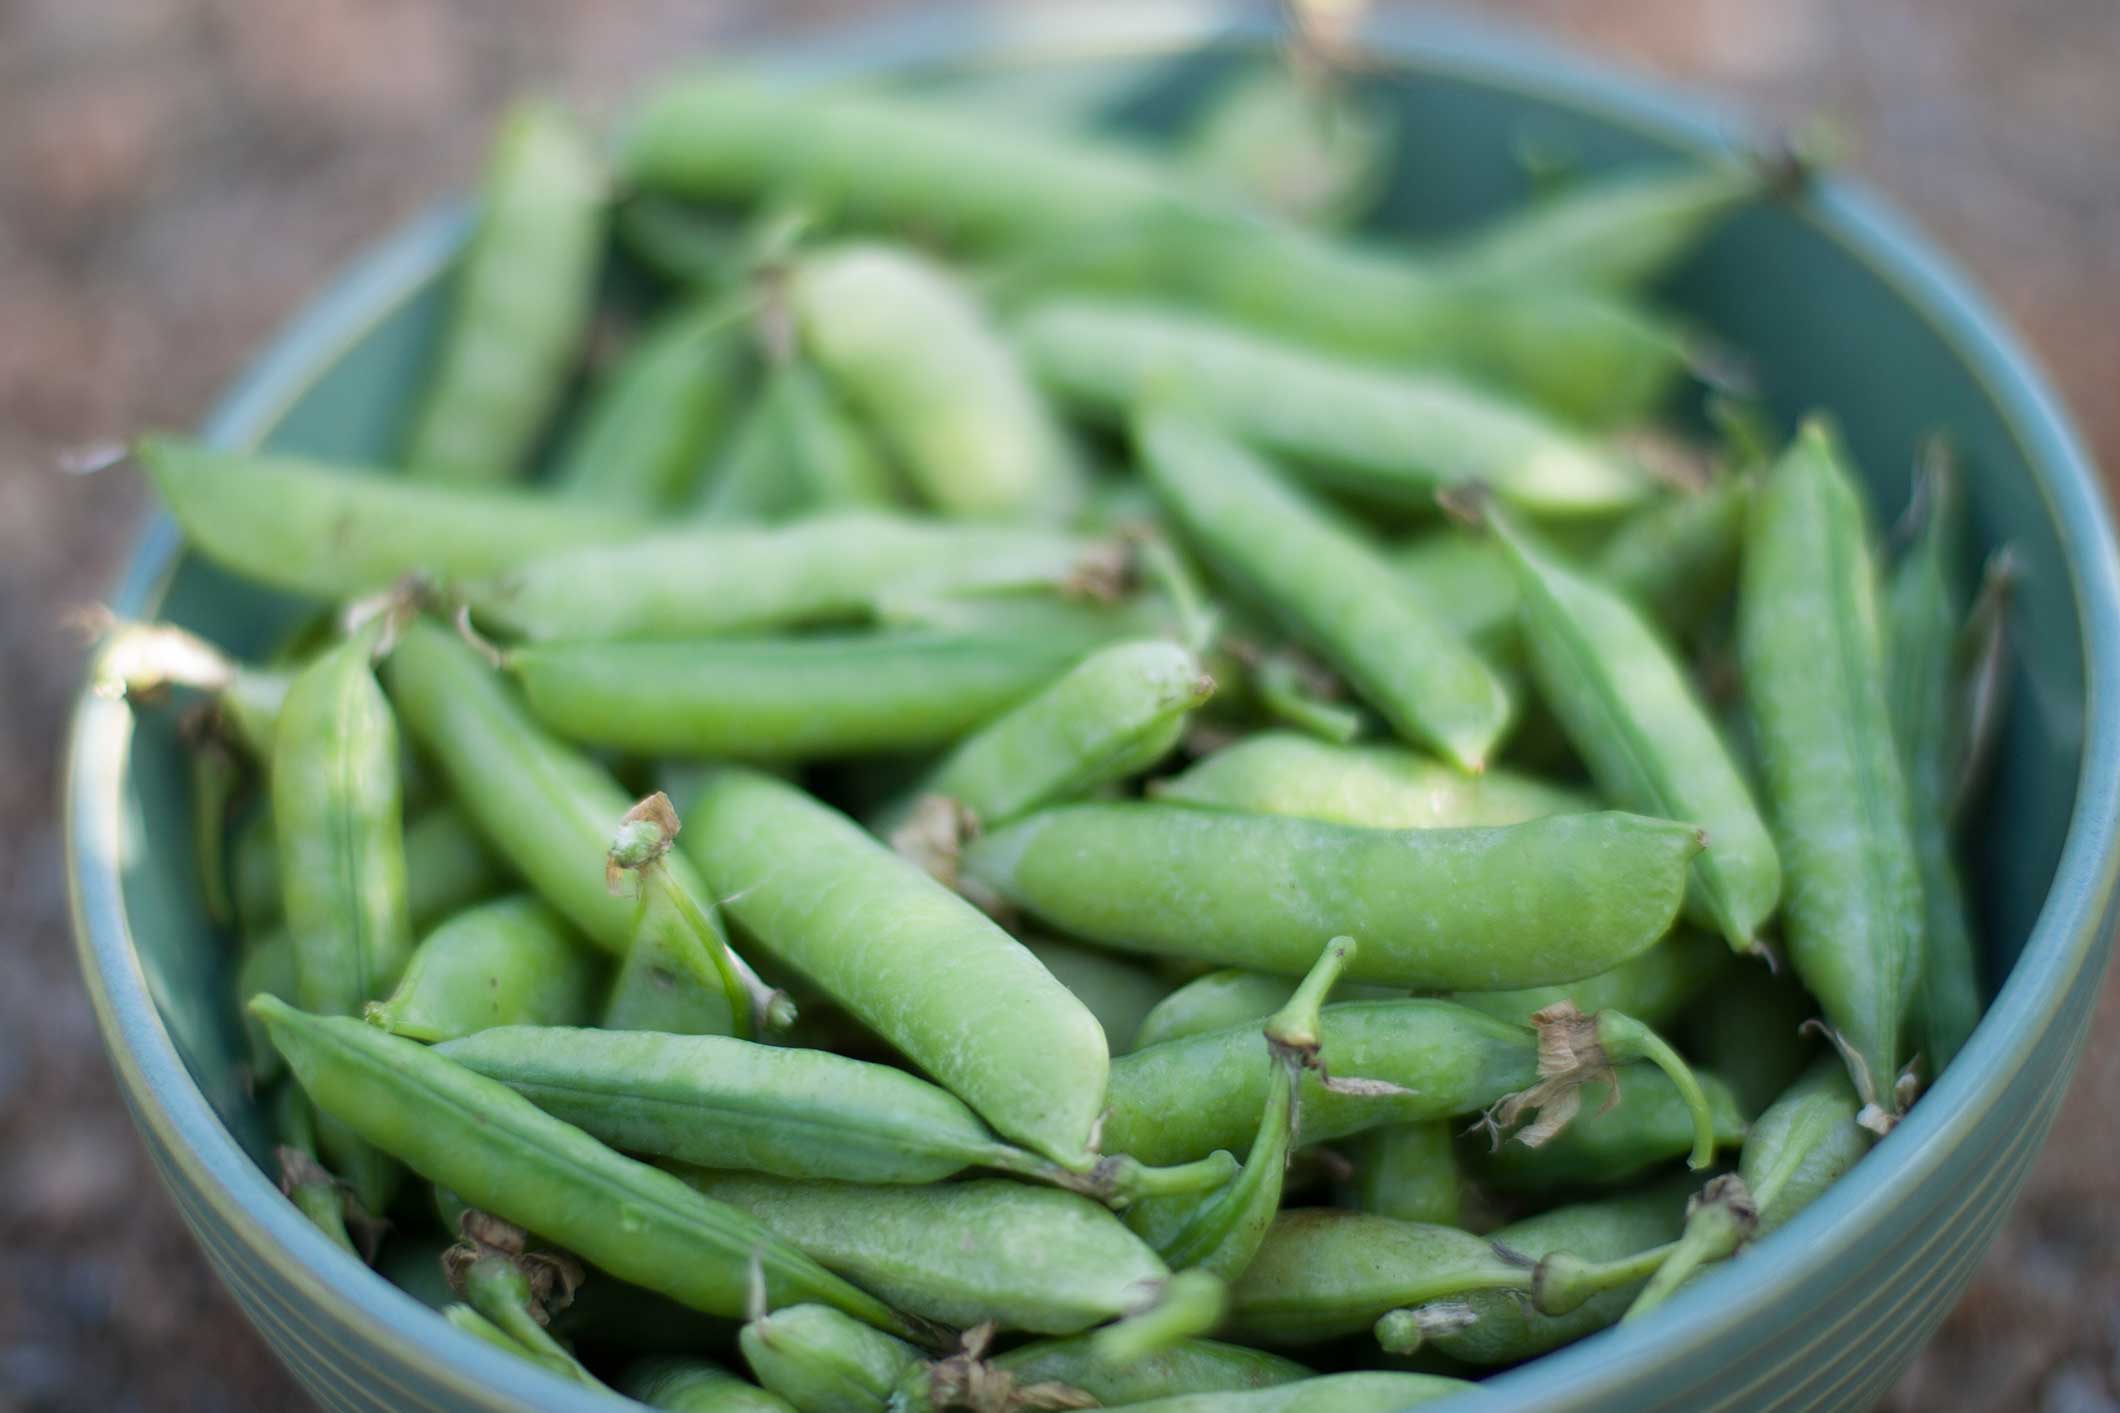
1189	1305
1718	1221
1573	1049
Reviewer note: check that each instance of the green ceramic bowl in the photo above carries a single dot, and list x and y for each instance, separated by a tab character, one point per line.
1842	306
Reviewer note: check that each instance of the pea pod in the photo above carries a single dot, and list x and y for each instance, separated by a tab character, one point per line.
824	1362
447	868
1077	1365
1753	1035
265	963
1229	997
1408	1171
954	993
801	450
1627	706
696	1386
1373	1391
1118	991
303	1179
336	532
495	1284
1312	152
1808	639
679	243
1615	1140
506	963
1397	436
1526	904
914	355
482	1140
520	303
1676	558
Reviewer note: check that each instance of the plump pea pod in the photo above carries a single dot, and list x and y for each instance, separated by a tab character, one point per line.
1676	558
1312	152
801	451
1474	909
1373	1391
1112	715
733	579
1230	997
1808	639
921	967
303	1180
1627	707
1802	1144
638	442
1618	230
782	698
1500	1328
503	1155
1324	1273
1399	656
336	532
1378	787
912	352
1753	1035
447	868
521	302
509	962
1398	436
821	1361
1924	613
684	1385
1118	991
1409	1172
1648	1124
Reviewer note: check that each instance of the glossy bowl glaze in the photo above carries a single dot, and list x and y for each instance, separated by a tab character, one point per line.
1842	307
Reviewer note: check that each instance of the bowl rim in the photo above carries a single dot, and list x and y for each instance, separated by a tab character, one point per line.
2067	943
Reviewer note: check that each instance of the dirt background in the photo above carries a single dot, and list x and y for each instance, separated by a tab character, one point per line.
175	177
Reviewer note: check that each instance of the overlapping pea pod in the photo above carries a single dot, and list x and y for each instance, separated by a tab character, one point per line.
509	962
477	1137
1044	1372
521	303
303	1179
1809	643
515	1289
448	867
696	1386
823	1361
1119	991
798	450
1407	1171
1623	1133
1361	1392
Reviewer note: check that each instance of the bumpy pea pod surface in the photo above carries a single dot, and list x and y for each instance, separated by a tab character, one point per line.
503	1155
1627	706
1808	639
1649	1124
521	303
782	698
1476	909
914	355
335	532
824	1362
509	962
920	966
1398	436
1398	654
696	1386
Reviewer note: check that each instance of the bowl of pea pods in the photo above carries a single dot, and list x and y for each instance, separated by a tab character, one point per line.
1117	708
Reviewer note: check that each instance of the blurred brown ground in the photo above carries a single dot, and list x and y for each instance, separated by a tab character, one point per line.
177	175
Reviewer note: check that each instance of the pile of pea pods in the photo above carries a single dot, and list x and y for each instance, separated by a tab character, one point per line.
969	766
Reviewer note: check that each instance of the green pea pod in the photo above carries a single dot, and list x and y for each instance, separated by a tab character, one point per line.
265	964
1522	905
696	1386
1313	153
734	579
447	868
1924	611
661	986
1626	705
254	874
914	355
506	963
824	1362
1467	580
1367	1392
837	467
1230	997
682	244
303	1179
338	828
337	532
1118	992
520	302
1753	1035
1399	656
498	1289
928	972
1409	1172
782	698
1078	1363
1614	1140
1397	436
1676	558
1027	1258
1808	640
648	423
1490	1329
1377	787
482	1140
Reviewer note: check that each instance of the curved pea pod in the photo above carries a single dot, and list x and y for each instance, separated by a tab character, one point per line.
648	423
1394	435
1377	787
696	1386
1614	230
924	969
336	532
914	355
1397	653
1628	708
1489	1329
480	1139
447	868
1313	153
1079	1365
1118	992
1808	640
1028	1258
734	579
1655	987
823	1361
1676	558
506	963
1924	614
1230	997
797	698
1477	909
520	302
1615	1139
1407	1171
